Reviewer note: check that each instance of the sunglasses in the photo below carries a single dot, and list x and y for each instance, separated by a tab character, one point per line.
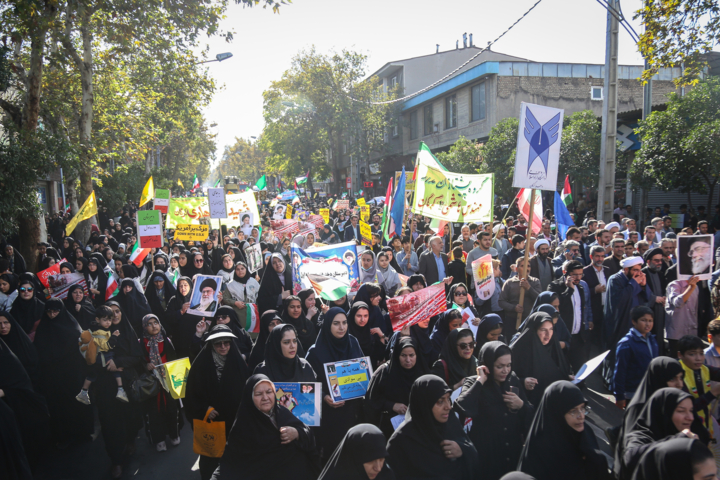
460	293
26	289
224	343
198	260
465	346
223	317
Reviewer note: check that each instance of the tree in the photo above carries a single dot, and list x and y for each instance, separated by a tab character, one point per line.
580	147
464	156
499	155
244	159
681	146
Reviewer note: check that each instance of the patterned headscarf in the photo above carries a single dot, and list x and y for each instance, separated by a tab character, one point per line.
153	340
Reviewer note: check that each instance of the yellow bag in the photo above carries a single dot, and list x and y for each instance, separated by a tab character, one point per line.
208	437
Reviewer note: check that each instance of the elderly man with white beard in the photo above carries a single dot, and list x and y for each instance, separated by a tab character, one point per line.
701	257
207	296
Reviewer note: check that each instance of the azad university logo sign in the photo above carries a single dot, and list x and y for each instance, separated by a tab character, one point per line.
538	147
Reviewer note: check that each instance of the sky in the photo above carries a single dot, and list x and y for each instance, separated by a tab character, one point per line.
386	30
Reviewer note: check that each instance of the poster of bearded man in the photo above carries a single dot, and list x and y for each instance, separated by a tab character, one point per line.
204	301
694	254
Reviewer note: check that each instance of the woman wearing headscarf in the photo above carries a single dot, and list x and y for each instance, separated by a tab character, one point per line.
62	373
274	284
68	250
19	343
389	388
227	268
449	320
391	257
549	302
312	308
162	412
268	321
81	264
96	281
559	444
240	290
131	272
159	292
677	459
420	334
334	343
283	248
27	308
185	263
292	314
456	361
537	357
8	290
360	455
183	327
668	413
237	255
267	441
133	303
371	339
368	269
489	330
431	443
329	236
392	280
499	409
80	306
119	421
200	265
225	315
15	259
215	381
282	360
371	295
416	282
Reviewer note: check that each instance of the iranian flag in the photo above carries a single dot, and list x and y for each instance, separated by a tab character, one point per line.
523	200
138	254
566	194
112	285
195	184
387	208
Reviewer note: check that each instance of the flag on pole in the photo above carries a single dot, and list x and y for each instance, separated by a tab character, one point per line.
217	182
563	221
566	192
523	201
301	180
180	184
148	192
112	285
386	210
262	183
88	209
138	254
195	184
398	208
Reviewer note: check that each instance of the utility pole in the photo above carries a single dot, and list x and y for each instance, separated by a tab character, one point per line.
647	109
608	147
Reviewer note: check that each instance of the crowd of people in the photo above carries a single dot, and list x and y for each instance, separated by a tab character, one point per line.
490	396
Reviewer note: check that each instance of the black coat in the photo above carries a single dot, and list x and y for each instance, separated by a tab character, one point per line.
428	268
590	277
565	294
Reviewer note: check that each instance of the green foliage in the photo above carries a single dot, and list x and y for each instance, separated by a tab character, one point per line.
681	146
464	156
244	160
499	155
580	147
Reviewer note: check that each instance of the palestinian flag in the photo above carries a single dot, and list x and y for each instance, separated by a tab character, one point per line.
175	277
138	254
112	285
329	289
195	184
566	194
301	180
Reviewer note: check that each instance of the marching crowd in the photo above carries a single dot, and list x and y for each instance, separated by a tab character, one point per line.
517	412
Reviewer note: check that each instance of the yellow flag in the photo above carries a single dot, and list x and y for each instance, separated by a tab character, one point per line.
175	376
148	192
180	184
88	209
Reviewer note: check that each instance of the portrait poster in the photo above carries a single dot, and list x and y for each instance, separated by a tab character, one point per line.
247	220
410	308
694	256
482	269
279	212
348	379
204	299
253	255
304	400
331	270
538	147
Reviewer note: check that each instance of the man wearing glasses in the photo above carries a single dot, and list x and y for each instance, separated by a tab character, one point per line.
575	309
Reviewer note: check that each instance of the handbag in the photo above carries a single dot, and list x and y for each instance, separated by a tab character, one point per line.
146	386
208	437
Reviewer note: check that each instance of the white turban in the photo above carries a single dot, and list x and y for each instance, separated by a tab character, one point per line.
541	242
631	262
611	225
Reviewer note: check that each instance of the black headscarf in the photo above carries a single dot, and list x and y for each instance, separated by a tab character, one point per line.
376	316
28	312
555	450
307	333
671	460
329	349
187	269
362	334
247	276
488	323
545	363
257	356
239	255
12	280
20	344
86	315
254	450
271	286
414	448
56	338
32	278
363	443
397	380
134	304
417	278
127	342
303	295
457	367
152	294
277	366
130	271
441	330
393	262
243	340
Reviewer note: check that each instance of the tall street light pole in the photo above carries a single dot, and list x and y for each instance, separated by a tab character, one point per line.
218	58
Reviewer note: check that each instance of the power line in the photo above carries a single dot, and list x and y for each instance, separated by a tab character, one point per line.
490	44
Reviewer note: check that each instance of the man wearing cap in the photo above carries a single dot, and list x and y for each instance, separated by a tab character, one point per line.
207	296
653	266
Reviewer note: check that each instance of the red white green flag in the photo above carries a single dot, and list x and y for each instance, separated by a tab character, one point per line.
566	194
112	285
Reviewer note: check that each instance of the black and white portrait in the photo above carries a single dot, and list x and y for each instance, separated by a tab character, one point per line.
694	254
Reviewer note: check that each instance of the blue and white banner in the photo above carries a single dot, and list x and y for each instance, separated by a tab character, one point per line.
288	195
538	147
331	269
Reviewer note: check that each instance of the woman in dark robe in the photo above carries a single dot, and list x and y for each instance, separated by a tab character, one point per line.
237	255
182	326
456	361
19	343
431	443
420	333
15	259
119	421
334	343
499	409
14	464
459	296
186	263
267	441
268	321
199	265
80	306
312	307
215	381
292	313
225	315
371	342
29	276
371	295
62	373
96	280
448	321
159	292
538	361
677	459
133	303
360	455
559	444
549	302
276	280
282	357
27	308
389	388
81	264
489	330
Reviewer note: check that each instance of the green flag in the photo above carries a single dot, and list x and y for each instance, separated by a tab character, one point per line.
262	183
217	183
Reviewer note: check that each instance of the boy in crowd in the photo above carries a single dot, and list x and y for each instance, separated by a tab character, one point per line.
634	353
698	377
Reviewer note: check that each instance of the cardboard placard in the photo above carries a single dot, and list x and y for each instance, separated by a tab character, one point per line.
289	212
348	379
194	233
360	202
150	231
216	203
162	200
304	400
325	212
365	234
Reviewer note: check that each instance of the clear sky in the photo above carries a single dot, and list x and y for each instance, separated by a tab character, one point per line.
386	30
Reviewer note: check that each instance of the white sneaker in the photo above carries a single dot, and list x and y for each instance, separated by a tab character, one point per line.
121	395
83	397
161	447
175	441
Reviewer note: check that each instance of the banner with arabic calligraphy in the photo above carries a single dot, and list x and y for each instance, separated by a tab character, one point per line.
453	197
190	211
330	266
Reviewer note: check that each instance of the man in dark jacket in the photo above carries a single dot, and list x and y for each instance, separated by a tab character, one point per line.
596	276
572	310
653	265
511	256
352	231
618	253
433	263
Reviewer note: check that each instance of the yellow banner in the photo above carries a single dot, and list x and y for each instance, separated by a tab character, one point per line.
365	213
360	202
195	233
88	209
288	212
366	234
325	212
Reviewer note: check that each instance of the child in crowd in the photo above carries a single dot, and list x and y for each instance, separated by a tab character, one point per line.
105	342
634	353
698	377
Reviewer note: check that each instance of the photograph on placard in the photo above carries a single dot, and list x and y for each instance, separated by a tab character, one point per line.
694	254
246	222
279	213
204	300
253	254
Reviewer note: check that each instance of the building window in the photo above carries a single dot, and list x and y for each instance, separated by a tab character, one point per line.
393	82
596	93
344	148
394	131
428	119
413	125
450	112
477	97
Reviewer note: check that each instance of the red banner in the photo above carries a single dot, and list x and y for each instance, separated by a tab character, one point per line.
411	308
48	272
283	228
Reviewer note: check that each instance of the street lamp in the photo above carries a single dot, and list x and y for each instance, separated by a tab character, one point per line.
218	58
